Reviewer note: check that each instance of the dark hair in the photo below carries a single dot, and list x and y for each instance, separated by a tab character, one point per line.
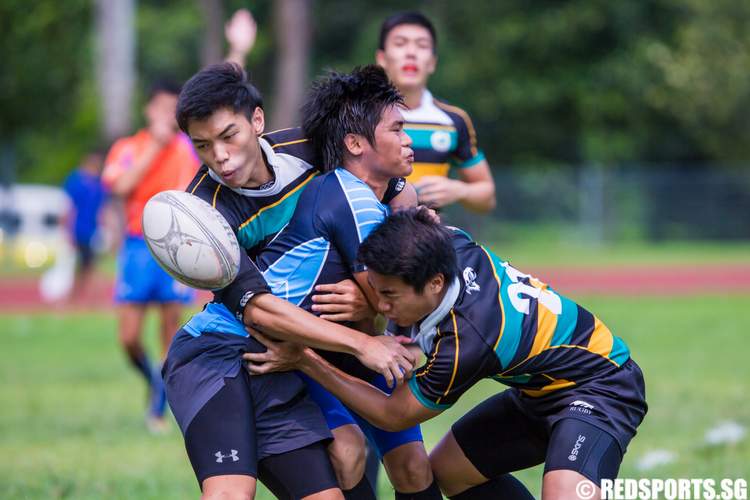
224	85
340	104
163	86
411	245
406	18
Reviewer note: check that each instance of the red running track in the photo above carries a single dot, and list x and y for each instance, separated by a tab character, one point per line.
22	294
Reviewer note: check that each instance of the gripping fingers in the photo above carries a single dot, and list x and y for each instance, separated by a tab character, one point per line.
331	308
257	369
256	357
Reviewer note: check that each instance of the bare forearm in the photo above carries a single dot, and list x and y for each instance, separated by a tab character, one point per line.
364	399
289	322
479	196
237	57
130	178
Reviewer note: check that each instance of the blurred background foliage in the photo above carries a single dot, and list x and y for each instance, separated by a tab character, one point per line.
547	83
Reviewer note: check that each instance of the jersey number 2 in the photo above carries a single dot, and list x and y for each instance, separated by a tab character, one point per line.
546	297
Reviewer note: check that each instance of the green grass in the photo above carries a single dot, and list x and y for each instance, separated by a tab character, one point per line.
576	254
71	420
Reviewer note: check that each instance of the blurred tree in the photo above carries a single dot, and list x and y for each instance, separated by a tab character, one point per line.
115	64
292	33
212	50
546	82
47	95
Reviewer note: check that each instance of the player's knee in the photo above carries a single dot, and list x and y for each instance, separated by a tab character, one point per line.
348	456
566	484
408	468
228	495
244	491
448	480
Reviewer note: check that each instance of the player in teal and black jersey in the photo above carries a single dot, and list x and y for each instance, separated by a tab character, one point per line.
576	396
237	429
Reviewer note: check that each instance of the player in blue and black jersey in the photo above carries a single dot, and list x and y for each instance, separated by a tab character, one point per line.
237	428
355	124
576	397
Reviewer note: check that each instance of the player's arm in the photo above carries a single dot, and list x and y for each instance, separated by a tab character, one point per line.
399	411
479	187
240	32
289	322
474	189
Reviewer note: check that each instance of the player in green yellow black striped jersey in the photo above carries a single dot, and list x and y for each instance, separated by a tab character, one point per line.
442	135
576	397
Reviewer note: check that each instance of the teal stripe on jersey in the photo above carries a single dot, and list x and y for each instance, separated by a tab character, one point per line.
268	222
471	161
566	322
414	386
620	352
515	379
445	140
506	349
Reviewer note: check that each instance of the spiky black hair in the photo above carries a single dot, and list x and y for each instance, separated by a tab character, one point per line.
346	103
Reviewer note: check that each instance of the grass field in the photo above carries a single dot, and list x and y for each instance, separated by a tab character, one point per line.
71	421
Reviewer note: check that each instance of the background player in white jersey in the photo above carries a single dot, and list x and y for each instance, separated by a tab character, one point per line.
442	135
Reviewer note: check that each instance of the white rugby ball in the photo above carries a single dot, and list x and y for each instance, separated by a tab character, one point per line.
191	240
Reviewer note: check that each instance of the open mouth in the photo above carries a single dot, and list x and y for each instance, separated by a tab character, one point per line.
410	69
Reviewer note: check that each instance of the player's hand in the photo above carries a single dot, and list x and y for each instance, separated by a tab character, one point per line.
280	356
436	191
386	355
240	32
342	301
432	213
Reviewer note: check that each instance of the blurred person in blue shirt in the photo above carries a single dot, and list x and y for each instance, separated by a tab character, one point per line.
88	195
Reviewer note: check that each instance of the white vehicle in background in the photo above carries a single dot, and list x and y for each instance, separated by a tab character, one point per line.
33	235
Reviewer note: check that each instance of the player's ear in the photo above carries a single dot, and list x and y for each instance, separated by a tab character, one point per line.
353	143
258	121
380	58
431	64
437	283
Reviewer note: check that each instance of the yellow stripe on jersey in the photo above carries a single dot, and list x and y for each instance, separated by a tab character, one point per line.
601	339
290	193
499	299
554	386
420	170
278	130
545	329
198	183
213	203
298	141
434	356
455	359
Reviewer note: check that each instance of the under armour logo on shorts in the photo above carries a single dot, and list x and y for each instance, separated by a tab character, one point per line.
220	457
